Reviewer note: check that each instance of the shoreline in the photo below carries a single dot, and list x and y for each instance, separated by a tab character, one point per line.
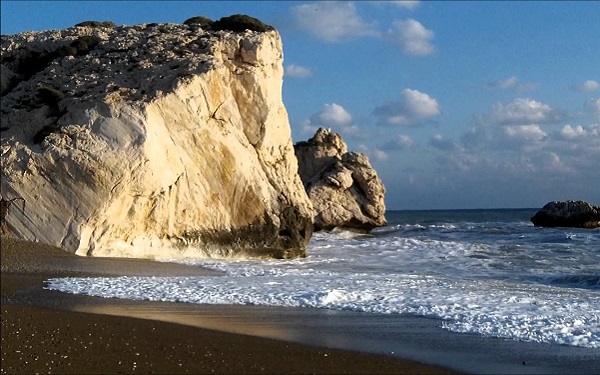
363	342
46	331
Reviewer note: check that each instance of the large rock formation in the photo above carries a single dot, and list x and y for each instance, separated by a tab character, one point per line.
578	214
155	140
343	187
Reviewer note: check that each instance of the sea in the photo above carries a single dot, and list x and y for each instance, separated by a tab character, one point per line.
485	272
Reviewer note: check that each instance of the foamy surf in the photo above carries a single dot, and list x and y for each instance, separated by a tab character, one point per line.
492	278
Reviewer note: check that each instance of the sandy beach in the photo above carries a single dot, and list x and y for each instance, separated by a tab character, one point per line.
42	332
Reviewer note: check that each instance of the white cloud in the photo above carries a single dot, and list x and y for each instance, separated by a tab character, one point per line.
375	154
580	132
413	107
297	71
332	21
516	125
420	104
503	152
507	83
531	132
332	116
339	21
412	36
588	86
553	160
460	160
513	84
524	111
408	4
379	155
400	142
438	141
571	132
308	128
491	138
594	106
548	162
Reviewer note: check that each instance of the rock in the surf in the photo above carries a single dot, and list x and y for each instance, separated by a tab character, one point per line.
578	214
343	186
153	140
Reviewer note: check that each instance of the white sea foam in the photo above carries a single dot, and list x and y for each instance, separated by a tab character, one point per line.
488	307
523	312
514	282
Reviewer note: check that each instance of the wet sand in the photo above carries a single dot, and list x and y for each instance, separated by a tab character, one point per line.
46	332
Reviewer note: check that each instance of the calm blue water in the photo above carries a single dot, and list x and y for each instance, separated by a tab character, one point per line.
484	272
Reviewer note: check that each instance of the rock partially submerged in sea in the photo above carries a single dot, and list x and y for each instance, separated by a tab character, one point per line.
577	214
153	140
343	187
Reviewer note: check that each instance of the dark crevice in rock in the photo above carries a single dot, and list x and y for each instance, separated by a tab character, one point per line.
50	97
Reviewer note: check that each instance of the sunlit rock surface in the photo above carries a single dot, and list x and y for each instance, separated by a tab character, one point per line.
155	140
343	186
578	214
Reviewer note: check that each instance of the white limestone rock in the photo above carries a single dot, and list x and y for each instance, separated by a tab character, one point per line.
160	141
343	187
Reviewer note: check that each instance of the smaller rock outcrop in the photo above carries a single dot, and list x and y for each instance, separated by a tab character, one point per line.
343	186
577	214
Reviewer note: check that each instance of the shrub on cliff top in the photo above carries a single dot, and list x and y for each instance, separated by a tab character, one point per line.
108	24
85	43
50	95
35	61
200	21
41	135
80	46
239	23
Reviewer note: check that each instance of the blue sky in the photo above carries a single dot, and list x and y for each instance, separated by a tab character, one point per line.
457	104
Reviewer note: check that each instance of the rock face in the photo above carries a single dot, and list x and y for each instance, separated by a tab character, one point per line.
155	140
578	214
343	187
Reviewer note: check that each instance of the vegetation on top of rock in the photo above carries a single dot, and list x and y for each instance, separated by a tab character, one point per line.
50	95
85	43
200	21
239	23
41	135
108	24
235	23
35	61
